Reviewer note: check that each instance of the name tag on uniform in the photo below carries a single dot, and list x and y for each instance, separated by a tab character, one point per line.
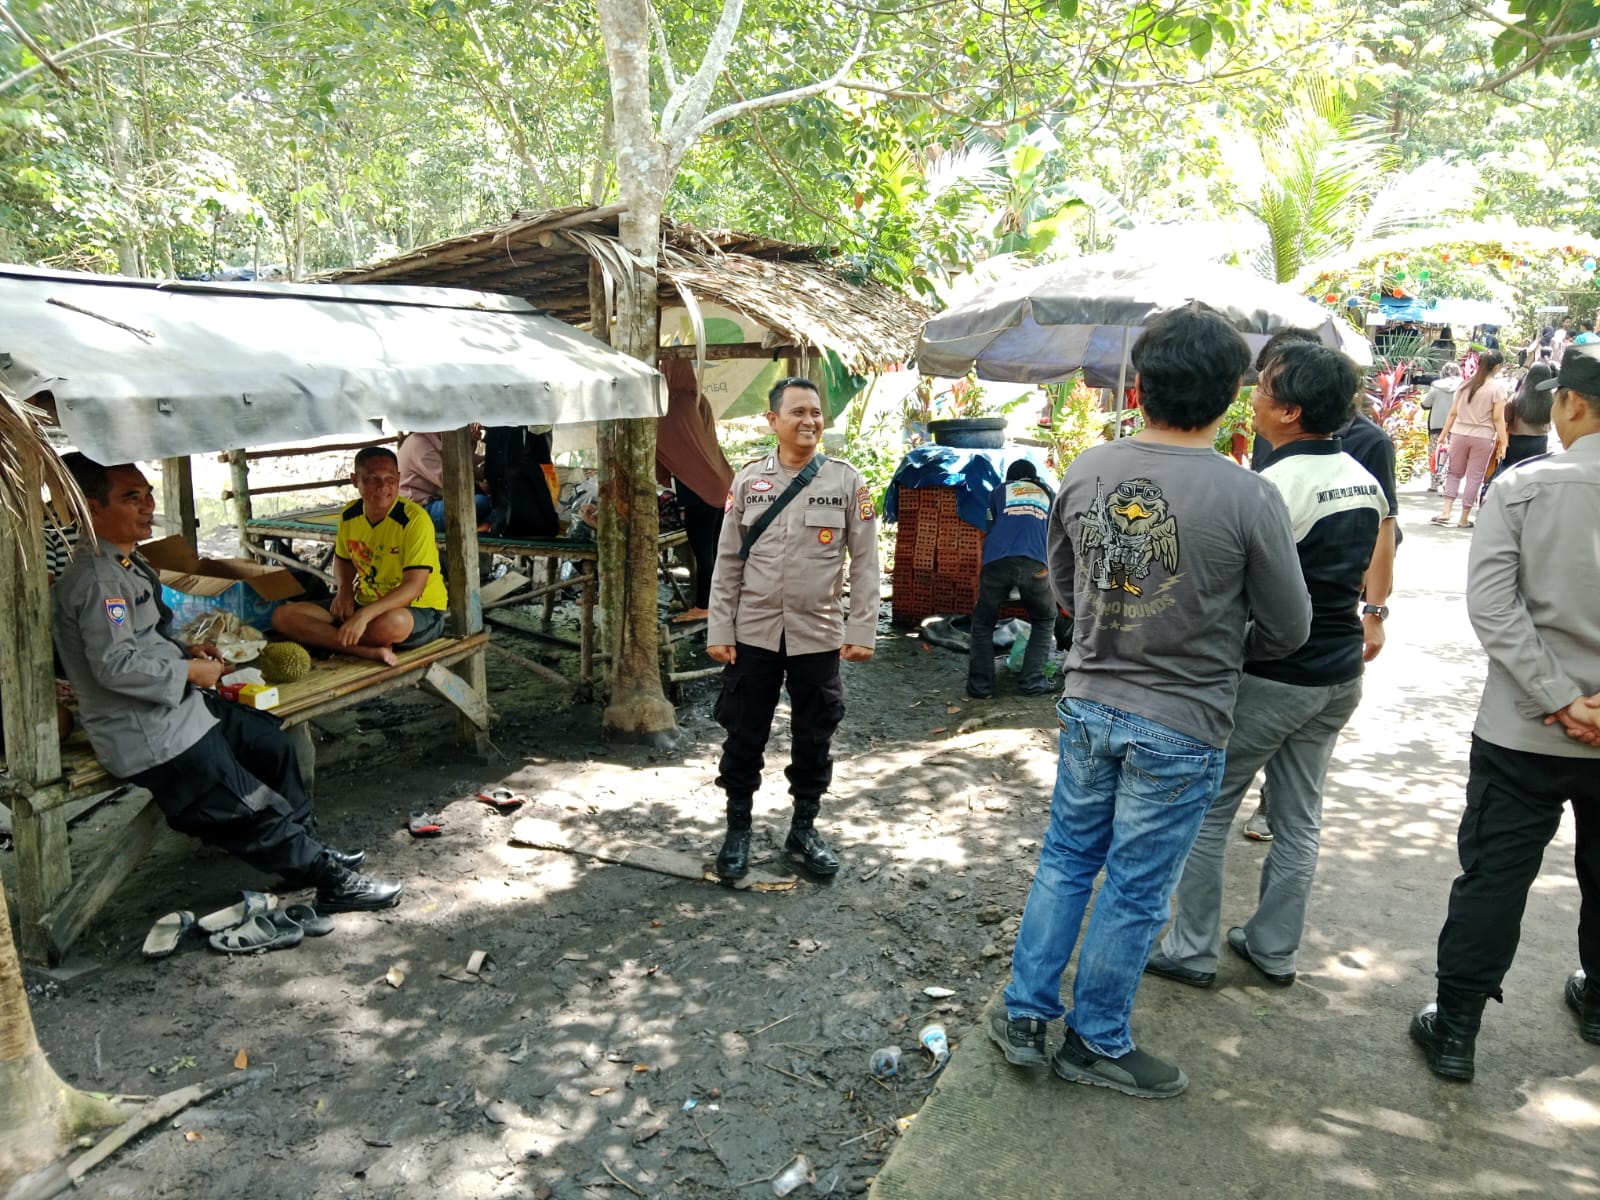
117	610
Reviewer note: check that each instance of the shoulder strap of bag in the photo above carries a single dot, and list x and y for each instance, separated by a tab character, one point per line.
796	486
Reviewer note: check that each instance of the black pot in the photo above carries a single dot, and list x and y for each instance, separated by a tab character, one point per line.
970	433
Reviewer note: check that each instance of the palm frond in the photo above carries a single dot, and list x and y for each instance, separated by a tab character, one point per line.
27	459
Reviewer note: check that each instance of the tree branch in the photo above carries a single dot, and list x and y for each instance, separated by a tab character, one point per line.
38	51
687	104
669	71
776	99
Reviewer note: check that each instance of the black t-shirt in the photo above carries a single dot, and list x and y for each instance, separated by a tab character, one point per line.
1364	441
1336	507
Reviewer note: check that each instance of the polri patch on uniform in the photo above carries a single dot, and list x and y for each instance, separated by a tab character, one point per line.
825	536
761	485
864	509
117	610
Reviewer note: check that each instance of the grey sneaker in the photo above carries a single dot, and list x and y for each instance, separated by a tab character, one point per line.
1257	828
1134	1074
1020	1040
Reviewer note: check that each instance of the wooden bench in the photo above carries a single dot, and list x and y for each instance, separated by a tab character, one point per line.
321	525
332	684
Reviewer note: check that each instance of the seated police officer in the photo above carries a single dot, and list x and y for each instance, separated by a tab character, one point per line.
221	772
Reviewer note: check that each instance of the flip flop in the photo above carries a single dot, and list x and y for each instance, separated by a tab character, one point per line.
260	932
308	918
503	798
166	933
1440	521
424	824
251	904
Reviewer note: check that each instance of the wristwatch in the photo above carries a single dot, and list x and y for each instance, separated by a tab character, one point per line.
1381	611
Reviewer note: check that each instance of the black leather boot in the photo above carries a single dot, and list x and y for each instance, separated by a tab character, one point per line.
1447	1031
733	860
350	860
807	845
1584	1001
339	889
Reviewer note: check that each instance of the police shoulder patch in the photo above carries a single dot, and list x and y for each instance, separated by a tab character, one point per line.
117	609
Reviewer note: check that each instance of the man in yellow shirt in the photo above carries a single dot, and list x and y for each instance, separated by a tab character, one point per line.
390	595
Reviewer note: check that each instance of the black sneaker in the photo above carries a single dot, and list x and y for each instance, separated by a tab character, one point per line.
1449	1056
1020	1040
1134	1074
1587	1008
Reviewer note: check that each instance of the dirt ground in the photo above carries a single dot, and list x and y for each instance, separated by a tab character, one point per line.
616	997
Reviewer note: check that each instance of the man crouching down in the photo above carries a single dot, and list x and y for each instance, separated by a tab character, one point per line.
223	773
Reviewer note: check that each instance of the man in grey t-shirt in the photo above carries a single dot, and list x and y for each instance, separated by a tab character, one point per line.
1178	566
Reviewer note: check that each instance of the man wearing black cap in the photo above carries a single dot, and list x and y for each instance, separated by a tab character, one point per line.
1532	578
1014	556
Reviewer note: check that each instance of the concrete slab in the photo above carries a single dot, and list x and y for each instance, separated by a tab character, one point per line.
1315	1090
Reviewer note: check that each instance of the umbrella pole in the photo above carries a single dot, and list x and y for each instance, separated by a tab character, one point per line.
1122	383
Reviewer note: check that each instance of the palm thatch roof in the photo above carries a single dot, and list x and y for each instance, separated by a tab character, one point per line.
803	302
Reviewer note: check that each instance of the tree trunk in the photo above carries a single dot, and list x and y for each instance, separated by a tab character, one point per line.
39	1115
629	518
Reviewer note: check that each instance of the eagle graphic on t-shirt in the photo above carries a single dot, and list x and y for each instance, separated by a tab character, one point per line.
1127	532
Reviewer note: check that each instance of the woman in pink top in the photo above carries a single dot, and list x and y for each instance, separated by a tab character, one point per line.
1476	432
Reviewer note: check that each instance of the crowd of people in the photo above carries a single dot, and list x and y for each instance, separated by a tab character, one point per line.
1222	619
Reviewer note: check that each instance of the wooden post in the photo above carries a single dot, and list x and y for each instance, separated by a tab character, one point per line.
461	569
32	744
241	497
177	499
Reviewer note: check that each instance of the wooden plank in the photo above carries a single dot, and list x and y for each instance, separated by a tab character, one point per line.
278	489
100	880
439	680
528	664
504	586
725	350
177	498
547	835
466	601
32	744
297	451
335	678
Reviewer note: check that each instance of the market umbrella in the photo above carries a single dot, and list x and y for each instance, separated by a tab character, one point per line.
1042	324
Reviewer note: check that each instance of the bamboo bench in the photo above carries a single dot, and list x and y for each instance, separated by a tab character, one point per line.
332	684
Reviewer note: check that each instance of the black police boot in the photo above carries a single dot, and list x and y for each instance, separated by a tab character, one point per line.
339	889
350	860
807	845
733	860
1447	1031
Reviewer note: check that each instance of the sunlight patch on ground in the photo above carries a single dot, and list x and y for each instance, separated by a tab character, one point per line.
1289	1139
1386	1120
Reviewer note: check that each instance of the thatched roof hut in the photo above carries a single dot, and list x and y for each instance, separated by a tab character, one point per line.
804	303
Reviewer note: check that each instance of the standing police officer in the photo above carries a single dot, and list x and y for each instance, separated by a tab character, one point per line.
220	772
776	618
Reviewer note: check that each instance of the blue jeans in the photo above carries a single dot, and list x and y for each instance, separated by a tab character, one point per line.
436	510
1130	795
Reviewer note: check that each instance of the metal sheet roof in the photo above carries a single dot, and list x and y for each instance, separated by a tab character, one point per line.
142	369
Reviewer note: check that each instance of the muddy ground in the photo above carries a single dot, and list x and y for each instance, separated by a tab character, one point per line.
615	998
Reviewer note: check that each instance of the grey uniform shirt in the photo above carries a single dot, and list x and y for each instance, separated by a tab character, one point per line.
1164	555
1533	593
789	590
132	679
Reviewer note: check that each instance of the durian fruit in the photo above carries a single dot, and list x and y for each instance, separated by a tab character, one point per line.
283	662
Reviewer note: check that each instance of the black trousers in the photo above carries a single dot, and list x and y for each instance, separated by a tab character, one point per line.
745	708
703	524
216	791
1514	803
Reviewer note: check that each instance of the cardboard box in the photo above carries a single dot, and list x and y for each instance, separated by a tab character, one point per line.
192	586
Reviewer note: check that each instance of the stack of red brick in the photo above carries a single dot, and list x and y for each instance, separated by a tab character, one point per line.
937	557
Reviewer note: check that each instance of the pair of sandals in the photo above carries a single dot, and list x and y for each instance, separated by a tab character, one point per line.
425	824
1447	523
254	923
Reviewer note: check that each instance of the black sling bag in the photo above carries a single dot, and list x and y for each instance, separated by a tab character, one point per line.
807	474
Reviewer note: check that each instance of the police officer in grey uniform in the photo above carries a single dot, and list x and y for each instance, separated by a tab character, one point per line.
221	772
776	618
